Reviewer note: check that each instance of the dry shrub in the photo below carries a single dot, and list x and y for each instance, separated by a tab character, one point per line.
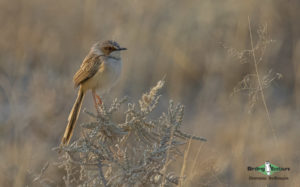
134	153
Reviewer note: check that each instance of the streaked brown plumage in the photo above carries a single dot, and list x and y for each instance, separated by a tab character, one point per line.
89	67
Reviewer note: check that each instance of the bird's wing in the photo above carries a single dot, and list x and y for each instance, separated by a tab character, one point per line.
88	68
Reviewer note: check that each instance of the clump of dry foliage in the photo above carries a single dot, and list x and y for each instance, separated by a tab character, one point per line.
133	153
254	82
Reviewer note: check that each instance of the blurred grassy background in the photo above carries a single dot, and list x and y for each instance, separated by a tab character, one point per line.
42	44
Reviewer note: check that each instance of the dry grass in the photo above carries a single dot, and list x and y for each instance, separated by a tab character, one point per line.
42	44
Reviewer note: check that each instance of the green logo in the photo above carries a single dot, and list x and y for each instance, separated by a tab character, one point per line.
268	168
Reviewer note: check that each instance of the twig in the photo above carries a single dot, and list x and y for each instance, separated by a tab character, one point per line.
260	85
196	158
167	157
101	174
186	153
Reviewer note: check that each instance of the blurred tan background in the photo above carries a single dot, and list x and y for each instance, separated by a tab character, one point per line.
42	44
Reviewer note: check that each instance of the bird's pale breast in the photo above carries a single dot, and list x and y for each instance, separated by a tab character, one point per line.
106	77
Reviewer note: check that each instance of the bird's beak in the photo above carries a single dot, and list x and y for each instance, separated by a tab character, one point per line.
121	49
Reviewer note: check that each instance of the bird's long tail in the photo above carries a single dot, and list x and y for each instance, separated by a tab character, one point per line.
73	118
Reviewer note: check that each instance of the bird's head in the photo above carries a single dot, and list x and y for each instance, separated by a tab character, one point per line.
108	48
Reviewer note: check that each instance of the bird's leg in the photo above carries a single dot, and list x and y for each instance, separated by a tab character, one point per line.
99	100
95	97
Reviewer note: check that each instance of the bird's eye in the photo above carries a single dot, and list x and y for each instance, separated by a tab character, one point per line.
110	48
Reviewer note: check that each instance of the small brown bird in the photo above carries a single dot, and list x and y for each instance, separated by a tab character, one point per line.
100	70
